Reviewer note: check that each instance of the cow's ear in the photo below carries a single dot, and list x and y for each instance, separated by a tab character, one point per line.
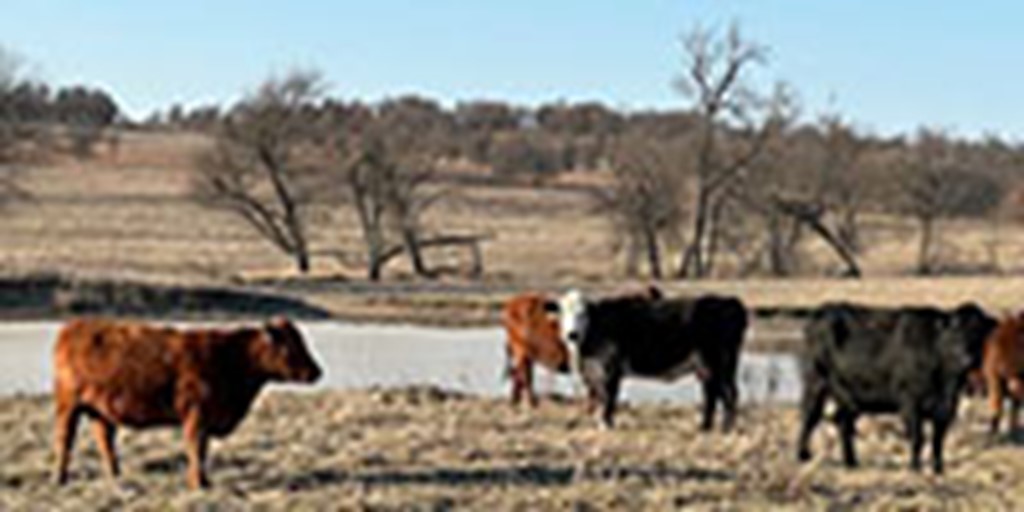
270	336
279	322
550	306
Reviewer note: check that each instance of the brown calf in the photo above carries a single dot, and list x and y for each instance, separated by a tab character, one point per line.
1002	369
532	337
135	375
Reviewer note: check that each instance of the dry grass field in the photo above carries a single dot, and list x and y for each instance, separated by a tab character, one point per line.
127	215
425	449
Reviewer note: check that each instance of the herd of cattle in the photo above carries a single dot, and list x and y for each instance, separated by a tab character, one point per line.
912	361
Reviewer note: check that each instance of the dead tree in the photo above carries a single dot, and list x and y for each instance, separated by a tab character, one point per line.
261	168
18	138
389	164
714	77
935	185
642	202
802	180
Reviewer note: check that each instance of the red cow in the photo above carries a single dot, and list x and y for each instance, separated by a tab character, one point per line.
135	375
1002	368
532	337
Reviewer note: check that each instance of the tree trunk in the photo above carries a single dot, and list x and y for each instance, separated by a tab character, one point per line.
302	260
692	265
632	256
812	217
778	261
713	236
412	246
653	253
848	232
841	250
924	255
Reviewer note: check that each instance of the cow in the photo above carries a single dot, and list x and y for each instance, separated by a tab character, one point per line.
911	361
532	336
1002	369
140	376
614	338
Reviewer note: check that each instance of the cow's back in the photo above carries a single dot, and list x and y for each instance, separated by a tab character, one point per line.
125	371
532	332
655	335
874	359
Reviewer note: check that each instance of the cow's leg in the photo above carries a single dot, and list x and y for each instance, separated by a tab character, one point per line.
730	397
65	426
915	433
940	425
1016	392
531	397
609	399
812	405
846	421
603	383
1014	415
712	394
591	405
105	434
522	379
994	385
196	442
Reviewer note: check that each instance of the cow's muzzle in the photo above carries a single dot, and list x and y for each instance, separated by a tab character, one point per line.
310	376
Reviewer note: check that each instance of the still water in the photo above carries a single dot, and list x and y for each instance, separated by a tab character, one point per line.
365	355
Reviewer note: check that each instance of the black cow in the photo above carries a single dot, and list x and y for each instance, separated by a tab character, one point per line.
665	339
910	361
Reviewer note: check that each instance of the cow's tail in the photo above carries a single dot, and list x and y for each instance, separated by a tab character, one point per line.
739	319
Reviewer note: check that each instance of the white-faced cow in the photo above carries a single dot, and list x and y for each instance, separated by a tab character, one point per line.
907	361
663	339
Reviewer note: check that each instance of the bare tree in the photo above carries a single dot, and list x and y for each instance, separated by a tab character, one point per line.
389	164
643	201
262	166
715	78
14	134
935	185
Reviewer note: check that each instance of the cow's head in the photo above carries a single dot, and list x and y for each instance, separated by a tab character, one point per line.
284	353
965	334
572	316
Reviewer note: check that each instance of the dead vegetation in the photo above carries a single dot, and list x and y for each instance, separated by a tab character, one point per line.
424	448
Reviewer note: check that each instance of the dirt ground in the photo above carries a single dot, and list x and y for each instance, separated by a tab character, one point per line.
426	449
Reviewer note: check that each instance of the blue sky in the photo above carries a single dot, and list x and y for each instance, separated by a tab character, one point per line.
889	66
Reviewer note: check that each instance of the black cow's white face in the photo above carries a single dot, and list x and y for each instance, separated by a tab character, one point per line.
572	317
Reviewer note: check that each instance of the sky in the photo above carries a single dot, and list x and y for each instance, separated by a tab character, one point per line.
890	67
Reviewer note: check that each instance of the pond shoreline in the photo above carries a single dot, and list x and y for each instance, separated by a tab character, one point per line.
51	297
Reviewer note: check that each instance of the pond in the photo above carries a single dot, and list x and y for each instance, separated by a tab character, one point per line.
365	355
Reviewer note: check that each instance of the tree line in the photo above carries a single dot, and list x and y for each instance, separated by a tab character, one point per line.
736	182
36	118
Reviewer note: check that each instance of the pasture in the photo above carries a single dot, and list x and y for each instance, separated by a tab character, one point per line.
419	448
409	446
